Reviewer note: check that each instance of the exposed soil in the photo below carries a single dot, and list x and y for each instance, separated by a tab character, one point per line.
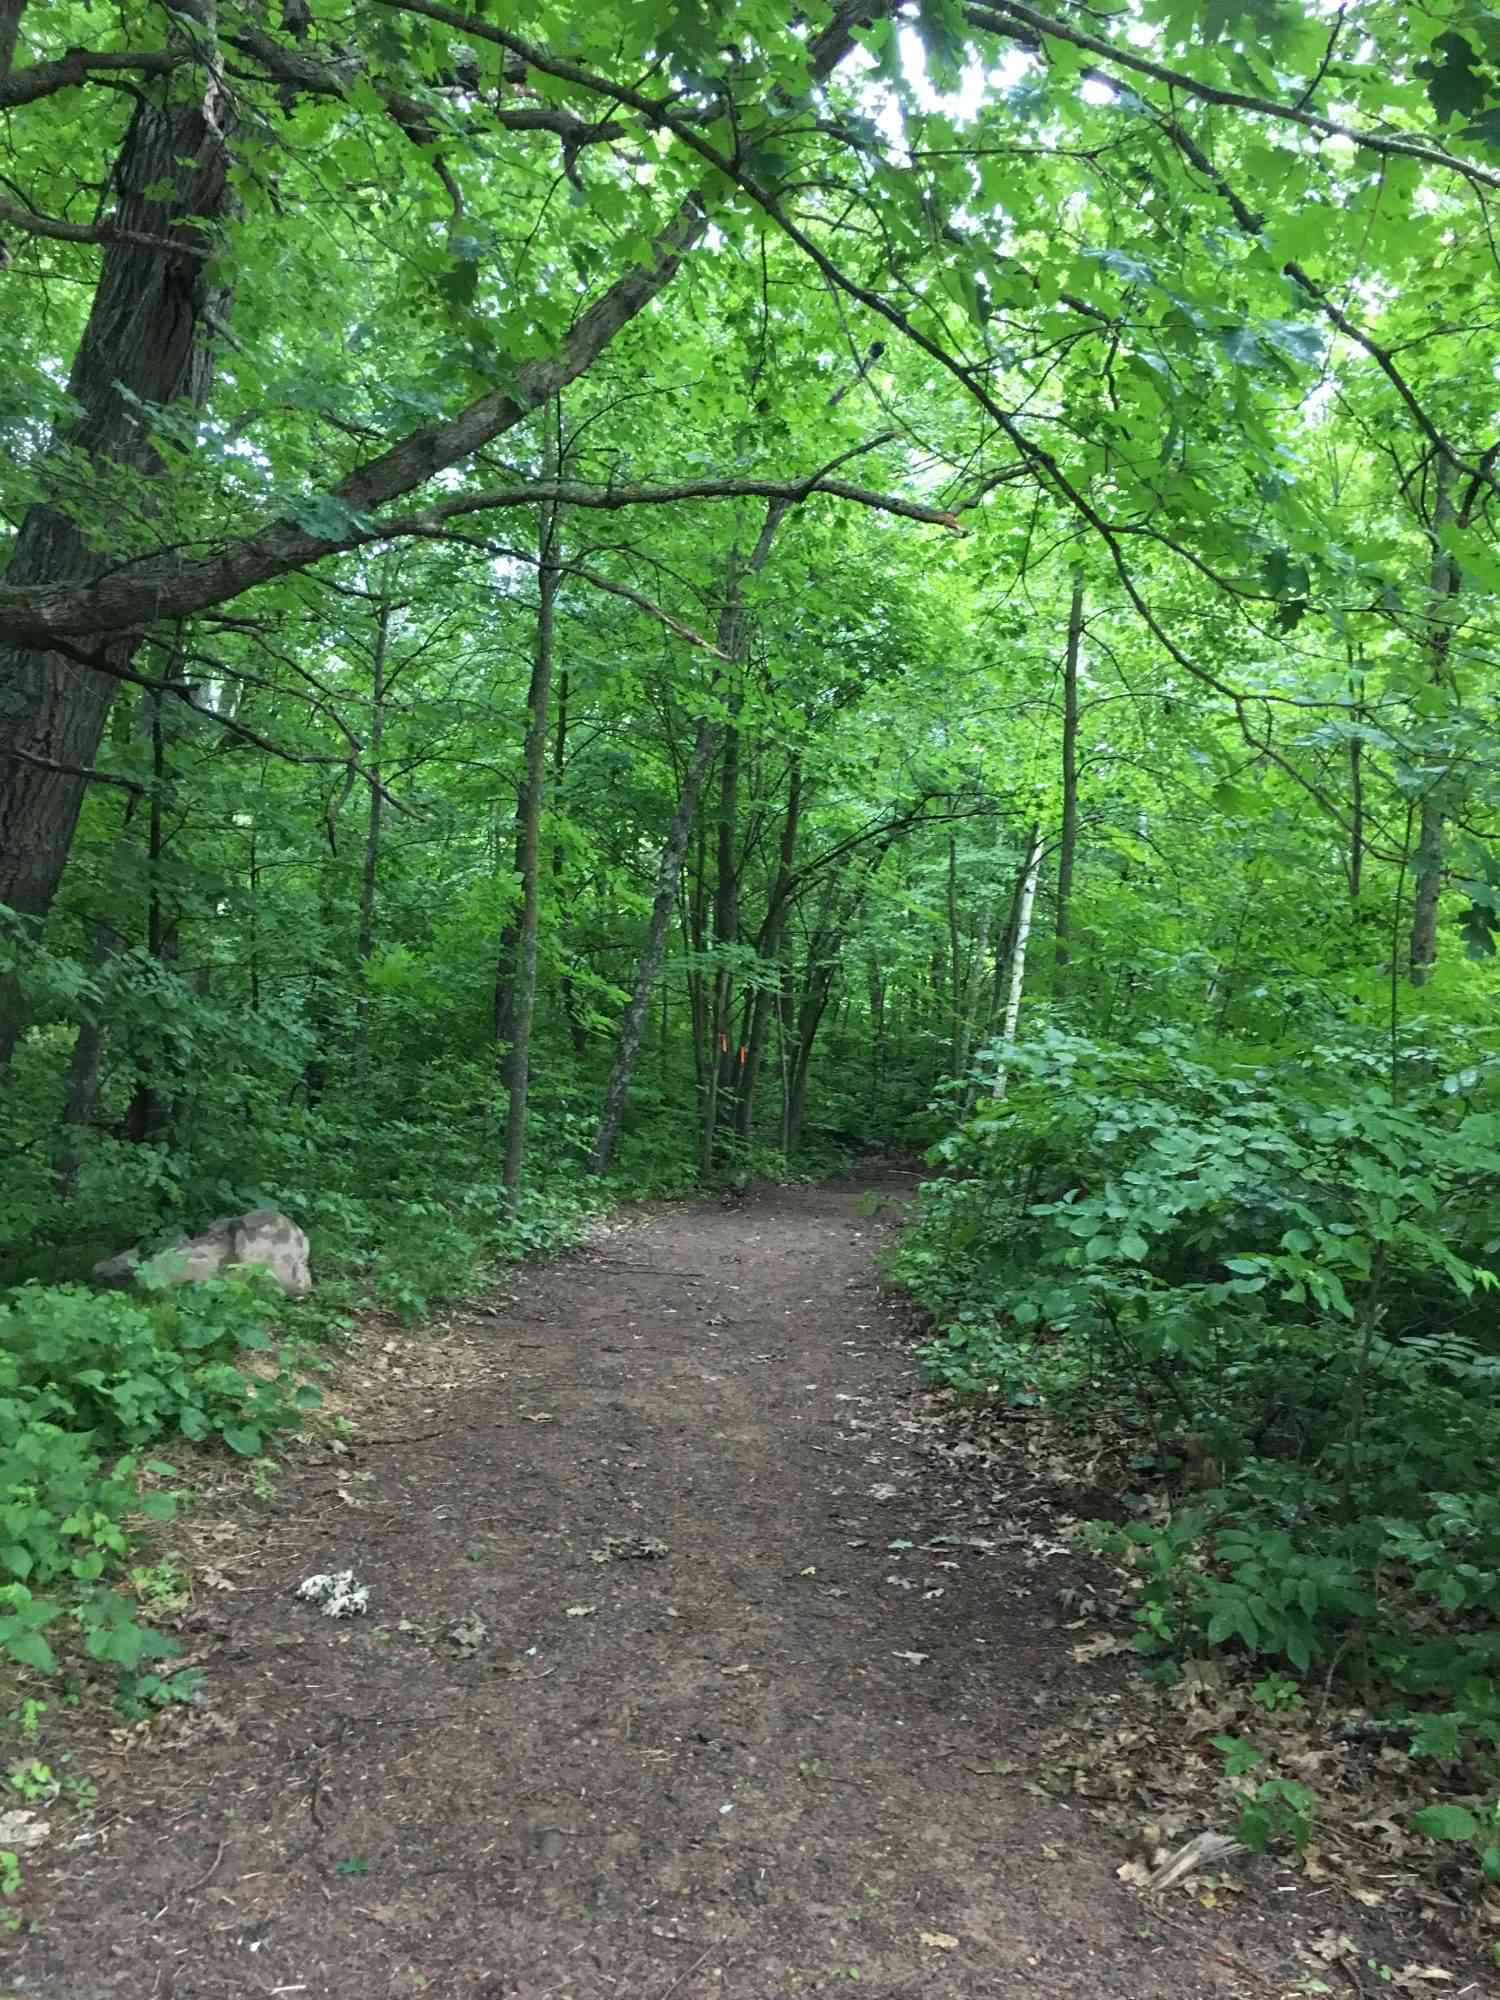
658	1693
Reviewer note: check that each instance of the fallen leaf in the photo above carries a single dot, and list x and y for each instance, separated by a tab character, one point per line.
1101	1647
580	1610
939	1941
916	1659
1332	1946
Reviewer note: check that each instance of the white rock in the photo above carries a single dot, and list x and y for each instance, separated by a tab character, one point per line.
339	1595
263	1238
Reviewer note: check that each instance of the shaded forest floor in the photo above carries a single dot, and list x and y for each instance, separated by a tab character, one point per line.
662	1690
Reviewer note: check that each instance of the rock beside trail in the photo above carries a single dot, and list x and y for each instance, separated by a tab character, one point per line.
264	1237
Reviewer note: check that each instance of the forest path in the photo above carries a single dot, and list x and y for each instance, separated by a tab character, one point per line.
753	1766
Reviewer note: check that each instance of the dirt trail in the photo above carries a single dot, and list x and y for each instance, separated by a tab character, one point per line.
752	1766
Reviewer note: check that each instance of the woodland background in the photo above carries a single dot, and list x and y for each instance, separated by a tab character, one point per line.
605	599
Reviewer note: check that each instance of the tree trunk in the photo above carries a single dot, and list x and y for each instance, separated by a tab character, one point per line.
731	640
723	1048
1005	948
768	949
972	985
566	991
1029	874
876	980
1428	872
955	962
1068	841
85	1067
364	942
823	964
695	947
10	24
529	831
145	343
253	898
150	1104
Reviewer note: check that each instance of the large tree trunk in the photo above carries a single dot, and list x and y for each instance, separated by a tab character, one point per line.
731	641
529	831
1068	842
10	23
146	342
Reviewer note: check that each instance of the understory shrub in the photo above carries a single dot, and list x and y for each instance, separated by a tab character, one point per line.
1278	1285
87	1380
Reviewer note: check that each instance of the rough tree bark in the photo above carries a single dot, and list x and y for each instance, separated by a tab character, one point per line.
146	342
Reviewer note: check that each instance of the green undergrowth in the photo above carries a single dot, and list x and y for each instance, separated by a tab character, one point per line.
92	1385
1273	1285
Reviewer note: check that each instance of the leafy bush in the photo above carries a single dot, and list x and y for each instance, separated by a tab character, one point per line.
82	1375
1274	1282
132	1371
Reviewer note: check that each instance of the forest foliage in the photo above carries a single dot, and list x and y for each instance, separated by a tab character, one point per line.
603	599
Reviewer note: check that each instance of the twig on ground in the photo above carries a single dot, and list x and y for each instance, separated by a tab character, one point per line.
690	1970
204	1880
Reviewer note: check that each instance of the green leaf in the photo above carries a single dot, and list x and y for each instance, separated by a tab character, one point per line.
327	517
1455	86
1239	1756
1446	1822
31	1649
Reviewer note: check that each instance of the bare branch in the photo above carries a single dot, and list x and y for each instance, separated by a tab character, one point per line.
92	777
104	231
26	86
